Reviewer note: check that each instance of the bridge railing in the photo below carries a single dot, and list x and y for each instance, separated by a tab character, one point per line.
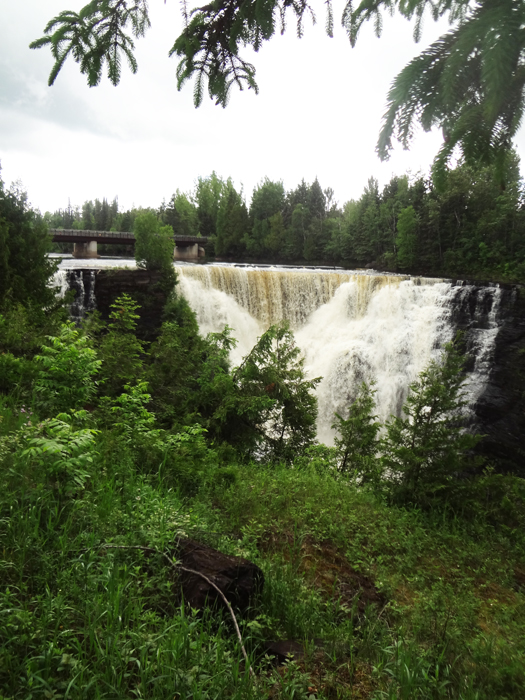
58	233
75	233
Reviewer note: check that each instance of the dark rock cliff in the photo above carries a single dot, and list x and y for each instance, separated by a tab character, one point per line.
500	407
145	287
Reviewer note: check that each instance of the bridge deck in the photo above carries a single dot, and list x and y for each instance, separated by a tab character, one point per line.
125	237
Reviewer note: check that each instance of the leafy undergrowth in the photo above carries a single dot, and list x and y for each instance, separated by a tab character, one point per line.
381	602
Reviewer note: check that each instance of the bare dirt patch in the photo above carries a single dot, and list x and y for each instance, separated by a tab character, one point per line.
328	569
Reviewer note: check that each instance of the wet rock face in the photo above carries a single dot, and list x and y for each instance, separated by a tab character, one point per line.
98	289
499	409
143	286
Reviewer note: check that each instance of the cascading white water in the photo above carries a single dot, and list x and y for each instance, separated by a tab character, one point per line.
83	283
352	327
389	343
60	281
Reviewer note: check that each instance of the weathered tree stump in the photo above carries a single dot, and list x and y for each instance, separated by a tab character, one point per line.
237	578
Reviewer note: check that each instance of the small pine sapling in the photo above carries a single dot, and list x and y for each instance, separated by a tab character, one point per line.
357	440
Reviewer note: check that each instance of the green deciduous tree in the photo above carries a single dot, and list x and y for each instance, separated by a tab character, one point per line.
181	214
154	243
208	195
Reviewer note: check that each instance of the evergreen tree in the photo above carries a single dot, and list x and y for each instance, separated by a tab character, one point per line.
427	449
103	215
316	201
273	411
232	223
25	269
297	232
301	195
268	200
121	352
174	375
357	442
88	216
406	240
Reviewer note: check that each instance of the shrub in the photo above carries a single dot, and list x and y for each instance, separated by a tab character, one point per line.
67	367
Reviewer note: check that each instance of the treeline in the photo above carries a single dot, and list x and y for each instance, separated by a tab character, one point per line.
472	226
92	216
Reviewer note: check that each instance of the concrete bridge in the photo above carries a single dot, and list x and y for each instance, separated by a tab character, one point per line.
85	242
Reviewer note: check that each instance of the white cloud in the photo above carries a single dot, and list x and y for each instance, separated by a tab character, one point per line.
318	114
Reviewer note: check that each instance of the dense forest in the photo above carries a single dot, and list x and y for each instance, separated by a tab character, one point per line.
393	561
472	226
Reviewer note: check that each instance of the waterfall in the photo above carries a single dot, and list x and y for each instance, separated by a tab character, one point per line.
82	282
351	326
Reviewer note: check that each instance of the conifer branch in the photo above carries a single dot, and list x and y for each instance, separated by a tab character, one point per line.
468	82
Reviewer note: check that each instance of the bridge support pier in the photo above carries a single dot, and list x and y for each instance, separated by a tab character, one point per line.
187	252
85	249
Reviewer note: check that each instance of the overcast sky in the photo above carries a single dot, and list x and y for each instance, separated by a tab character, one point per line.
318	114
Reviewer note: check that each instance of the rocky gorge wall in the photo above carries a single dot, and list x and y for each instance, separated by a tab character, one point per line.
500	408
145	287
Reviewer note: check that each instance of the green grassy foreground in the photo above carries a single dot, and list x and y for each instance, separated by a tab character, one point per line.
402	604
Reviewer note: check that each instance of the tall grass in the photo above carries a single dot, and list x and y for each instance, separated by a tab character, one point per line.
78	620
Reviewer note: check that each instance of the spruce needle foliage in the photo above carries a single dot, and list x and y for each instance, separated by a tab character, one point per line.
96	38
470	83
357	442
426	450
272	412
